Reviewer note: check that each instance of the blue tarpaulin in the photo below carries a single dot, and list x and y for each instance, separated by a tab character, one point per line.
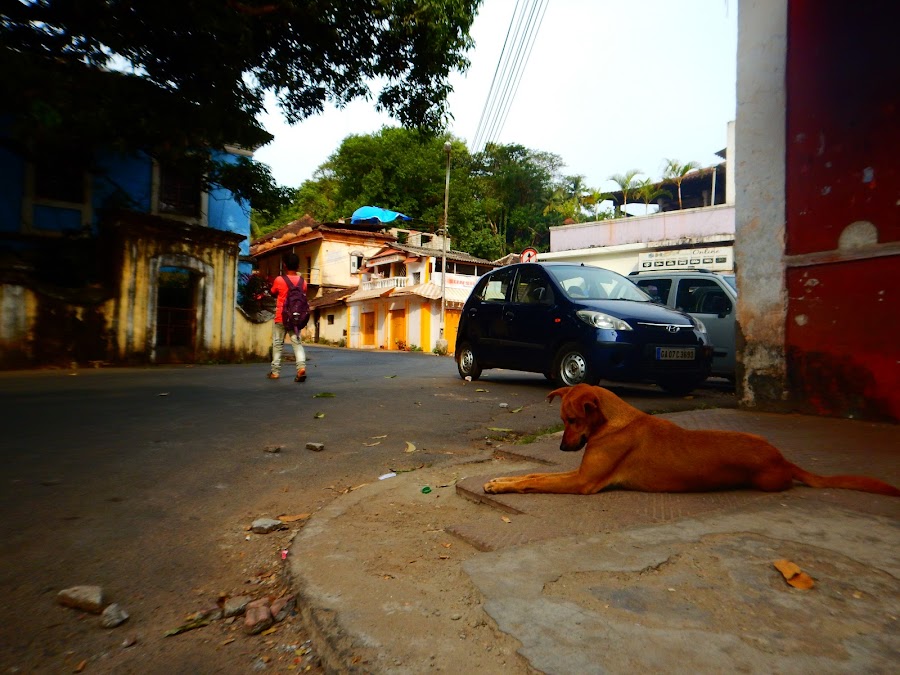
372	214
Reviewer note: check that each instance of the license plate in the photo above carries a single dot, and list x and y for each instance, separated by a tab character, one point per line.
672	354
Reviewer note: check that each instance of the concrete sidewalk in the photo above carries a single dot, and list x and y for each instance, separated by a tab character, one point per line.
615	582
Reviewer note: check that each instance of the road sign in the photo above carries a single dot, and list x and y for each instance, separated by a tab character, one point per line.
529	255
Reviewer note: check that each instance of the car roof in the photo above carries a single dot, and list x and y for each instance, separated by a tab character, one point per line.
667	272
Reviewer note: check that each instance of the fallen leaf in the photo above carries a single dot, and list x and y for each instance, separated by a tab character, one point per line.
447	545
505	519
165	393
415	468
382	436
443	557
319	415
228	641
294	518
484	391
389	377
794	575
499	429
410	447
269	631
80	666
372	445
323	394
190	624
519	409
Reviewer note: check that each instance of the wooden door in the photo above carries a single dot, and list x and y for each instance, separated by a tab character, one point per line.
367	322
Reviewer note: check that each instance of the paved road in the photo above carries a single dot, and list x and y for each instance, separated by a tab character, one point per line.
143	480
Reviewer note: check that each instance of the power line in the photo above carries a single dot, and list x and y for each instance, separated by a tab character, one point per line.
523	28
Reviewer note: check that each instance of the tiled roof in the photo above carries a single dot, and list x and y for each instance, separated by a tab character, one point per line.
421	251
432	291
331	298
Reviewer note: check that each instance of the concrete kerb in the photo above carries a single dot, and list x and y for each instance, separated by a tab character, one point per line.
610	541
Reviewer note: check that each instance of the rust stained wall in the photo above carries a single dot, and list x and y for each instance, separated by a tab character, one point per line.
842	178
842	338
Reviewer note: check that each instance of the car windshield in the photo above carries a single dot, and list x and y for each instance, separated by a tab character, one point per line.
584	282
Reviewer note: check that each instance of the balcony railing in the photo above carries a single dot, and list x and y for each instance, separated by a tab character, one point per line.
387	282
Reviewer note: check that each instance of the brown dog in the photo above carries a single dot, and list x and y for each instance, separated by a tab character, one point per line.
627	449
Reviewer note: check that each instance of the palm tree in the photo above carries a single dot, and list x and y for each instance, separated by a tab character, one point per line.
626	182
675	172
648	191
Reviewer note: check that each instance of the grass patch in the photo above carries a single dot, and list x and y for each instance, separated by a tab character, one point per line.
535	435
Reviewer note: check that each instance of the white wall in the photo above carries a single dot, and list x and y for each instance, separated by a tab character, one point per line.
760	198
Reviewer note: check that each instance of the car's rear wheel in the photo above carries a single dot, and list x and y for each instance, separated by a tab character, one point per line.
466	362
571	366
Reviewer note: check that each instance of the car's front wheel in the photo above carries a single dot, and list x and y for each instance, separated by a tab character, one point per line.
466	362
571	366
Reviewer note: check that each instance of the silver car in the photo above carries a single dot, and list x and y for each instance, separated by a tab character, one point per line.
708	296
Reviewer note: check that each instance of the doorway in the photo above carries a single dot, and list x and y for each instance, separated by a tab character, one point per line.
176	315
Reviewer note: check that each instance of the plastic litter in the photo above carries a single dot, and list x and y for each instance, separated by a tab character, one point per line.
387	475
426	490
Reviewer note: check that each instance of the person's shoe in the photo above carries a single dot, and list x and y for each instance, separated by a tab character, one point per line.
272	376
301	375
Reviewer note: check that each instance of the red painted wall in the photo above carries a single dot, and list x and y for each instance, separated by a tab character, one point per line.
843	122
843	166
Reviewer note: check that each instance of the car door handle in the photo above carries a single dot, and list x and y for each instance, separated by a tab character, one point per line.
509	316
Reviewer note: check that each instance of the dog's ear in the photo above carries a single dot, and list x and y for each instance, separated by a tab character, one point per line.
592	407
557	392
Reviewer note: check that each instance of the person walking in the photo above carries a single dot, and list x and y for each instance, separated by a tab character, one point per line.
280	290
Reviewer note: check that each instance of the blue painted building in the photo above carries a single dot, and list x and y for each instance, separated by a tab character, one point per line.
121	260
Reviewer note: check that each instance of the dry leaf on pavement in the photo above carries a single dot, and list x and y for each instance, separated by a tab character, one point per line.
794	575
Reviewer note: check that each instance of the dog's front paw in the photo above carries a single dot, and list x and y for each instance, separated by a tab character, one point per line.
492	487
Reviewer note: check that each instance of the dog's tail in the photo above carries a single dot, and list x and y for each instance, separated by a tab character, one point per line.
863	483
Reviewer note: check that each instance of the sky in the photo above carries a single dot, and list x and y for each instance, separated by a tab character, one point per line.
610	86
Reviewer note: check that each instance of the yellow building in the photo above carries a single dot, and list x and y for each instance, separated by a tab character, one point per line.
398	304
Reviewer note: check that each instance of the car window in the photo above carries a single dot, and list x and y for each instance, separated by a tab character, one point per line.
532	286
702	296
495	286
657	289
584	282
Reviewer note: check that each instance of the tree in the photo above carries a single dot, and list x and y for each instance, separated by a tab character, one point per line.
627	182
173	77
675	172
648	191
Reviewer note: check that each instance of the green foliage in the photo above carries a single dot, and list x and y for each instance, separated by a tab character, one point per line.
170	77
648	191
675	172
627	183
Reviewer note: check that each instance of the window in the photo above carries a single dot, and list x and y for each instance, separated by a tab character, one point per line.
532	287
692	292
356	261
57	181
330	319
494	286
179	193
57	196
657	289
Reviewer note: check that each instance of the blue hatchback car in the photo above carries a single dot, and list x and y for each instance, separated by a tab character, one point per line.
578	323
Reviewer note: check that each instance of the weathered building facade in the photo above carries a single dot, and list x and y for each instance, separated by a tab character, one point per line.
125	262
